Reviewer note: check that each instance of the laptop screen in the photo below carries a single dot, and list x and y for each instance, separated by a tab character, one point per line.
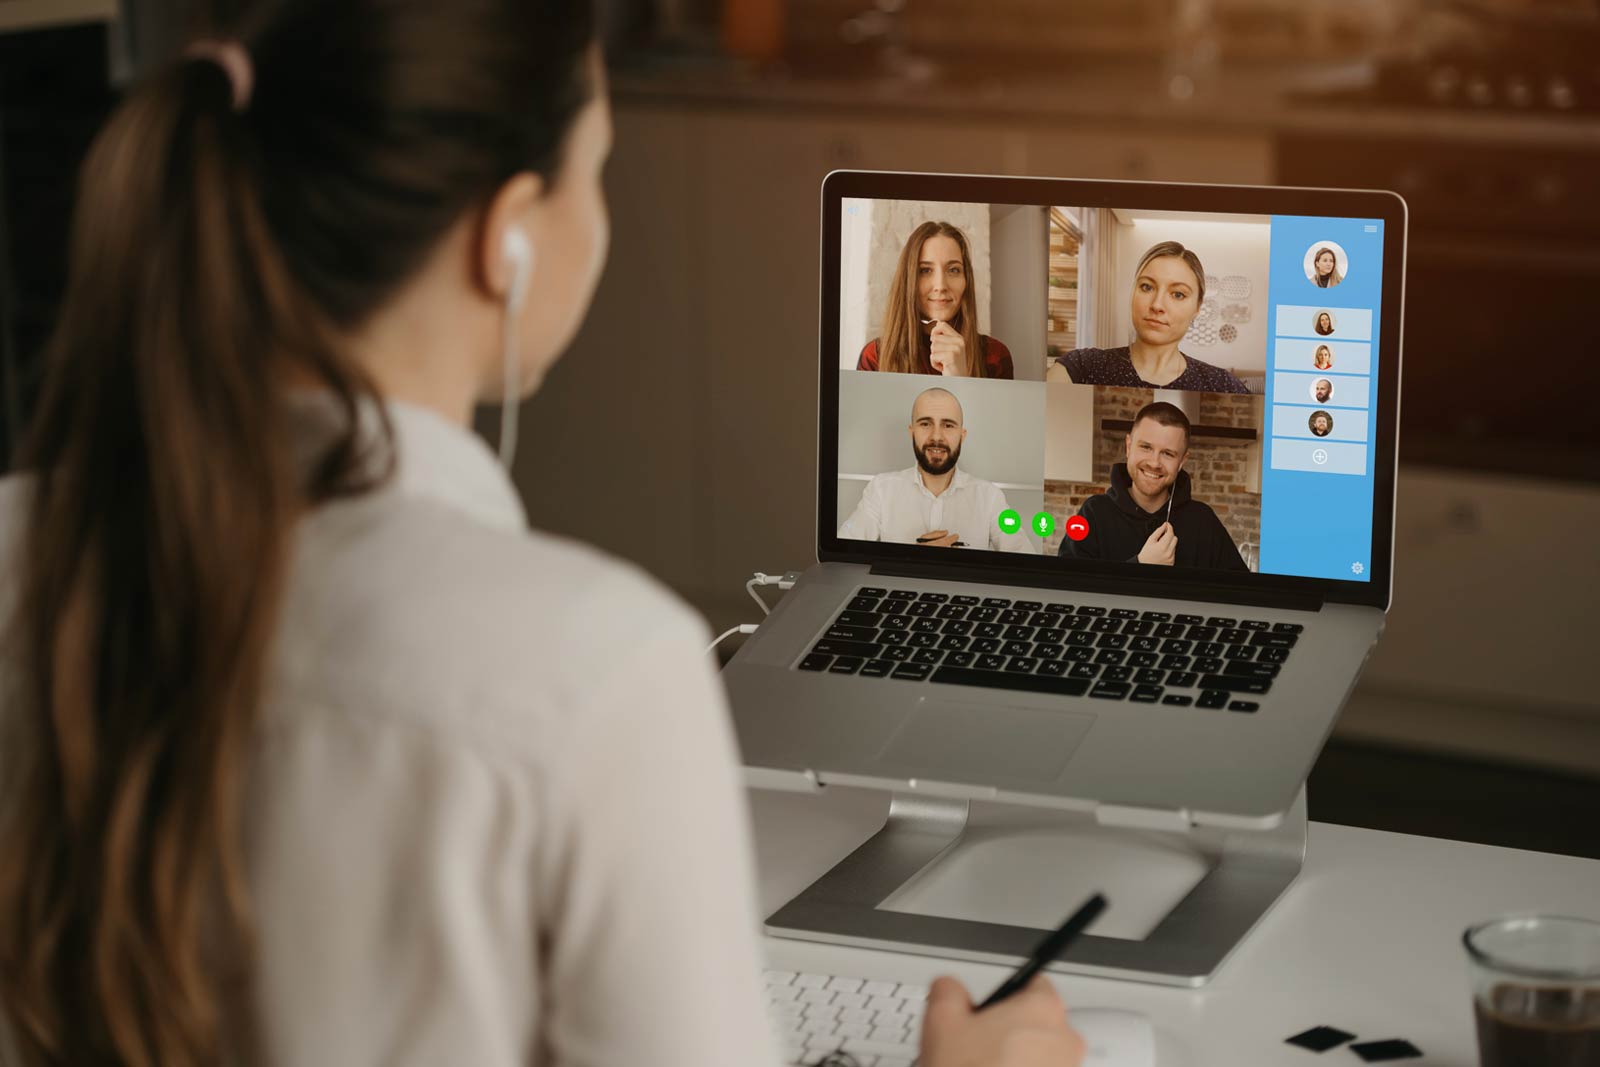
1112	384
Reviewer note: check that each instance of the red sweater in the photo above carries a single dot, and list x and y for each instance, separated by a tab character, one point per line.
996	358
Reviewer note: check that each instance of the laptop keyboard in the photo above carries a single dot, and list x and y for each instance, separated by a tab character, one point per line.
1146	657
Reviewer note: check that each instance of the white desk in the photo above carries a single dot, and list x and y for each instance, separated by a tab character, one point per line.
1368	939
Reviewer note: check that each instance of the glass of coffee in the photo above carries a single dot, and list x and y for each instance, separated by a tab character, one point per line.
1536	990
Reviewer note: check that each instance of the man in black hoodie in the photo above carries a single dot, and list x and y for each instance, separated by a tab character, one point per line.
1148	516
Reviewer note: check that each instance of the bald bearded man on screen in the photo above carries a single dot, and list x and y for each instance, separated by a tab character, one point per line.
934	503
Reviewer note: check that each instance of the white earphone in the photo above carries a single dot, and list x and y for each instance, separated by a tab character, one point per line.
518	252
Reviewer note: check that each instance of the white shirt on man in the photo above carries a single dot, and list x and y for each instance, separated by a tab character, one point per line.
898	507
494	813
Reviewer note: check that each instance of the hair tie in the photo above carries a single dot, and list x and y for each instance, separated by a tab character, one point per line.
235	63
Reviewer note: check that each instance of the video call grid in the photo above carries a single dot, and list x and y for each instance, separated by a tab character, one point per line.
1339	382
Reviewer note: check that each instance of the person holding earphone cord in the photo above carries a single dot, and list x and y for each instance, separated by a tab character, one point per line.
310	751
930	320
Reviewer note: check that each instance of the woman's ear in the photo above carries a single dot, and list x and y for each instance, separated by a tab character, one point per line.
513	207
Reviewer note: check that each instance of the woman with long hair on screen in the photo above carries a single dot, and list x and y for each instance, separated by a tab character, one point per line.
1169	285
930	325
1324	323
311	752
1325	268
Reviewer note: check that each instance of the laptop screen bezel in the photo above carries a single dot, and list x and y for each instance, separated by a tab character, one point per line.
1220	199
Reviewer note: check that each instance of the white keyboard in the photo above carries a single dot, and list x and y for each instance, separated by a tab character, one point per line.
879	1023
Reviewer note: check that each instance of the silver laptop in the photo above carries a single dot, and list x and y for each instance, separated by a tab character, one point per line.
1045	579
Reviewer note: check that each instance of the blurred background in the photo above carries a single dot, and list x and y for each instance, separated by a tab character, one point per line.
680	432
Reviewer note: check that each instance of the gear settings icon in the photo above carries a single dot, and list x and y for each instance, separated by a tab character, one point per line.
1356	568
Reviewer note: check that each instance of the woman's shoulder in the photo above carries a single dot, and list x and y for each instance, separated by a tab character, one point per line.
449	612
1097	366
1093	356
997	358
527	582
594	610
868	360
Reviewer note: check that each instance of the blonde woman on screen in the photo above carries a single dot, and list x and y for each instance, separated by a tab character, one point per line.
1169	286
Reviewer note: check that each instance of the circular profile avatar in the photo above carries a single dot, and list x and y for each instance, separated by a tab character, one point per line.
1326	264
1321	423
1323	359
1322	390
1324	323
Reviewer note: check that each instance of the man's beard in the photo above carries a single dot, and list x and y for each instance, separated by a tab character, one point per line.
953	454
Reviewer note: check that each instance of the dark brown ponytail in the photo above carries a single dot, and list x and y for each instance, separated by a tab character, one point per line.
217	256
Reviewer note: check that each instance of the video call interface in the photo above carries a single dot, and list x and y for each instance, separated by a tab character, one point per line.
1128	385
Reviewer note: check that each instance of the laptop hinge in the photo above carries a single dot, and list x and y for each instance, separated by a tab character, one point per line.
1290	600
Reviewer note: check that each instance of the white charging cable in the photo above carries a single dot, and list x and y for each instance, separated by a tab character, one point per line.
743	628
784	582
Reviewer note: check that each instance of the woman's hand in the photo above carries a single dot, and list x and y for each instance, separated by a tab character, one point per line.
1028	1029
949	351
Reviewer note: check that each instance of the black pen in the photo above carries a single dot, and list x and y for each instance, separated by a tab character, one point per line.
1050	949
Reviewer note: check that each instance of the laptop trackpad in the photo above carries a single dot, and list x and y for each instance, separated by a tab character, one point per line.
986	743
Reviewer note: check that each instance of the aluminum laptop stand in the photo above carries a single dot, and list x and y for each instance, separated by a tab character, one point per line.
1245	873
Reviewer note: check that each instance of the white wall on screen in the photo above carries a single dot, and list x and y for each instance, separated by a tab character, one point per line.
1019	237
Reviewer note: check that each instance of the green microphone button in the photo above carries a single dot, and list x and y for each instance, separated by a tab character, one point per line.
1044	524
